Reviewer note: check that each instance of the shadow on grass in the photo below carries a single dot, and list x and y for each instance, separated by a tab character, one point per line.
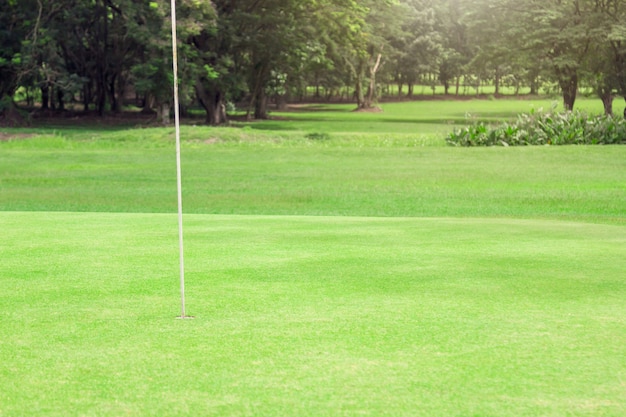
291	123
318	108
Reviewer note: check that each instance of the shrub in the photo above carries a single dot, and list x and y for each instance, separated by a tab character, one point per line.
539	128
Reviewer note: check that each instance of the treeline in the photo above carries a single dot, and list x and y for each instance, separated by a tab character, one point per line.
98	54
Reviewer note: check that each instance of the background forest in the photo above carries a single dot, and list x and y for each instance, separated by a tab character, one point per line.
100	55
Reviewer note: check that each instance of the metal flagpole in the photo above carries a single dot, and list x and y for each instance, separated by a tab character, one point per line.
178	170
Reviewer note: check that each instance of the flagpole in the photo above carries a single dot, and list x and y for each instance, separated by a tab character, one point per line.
183	315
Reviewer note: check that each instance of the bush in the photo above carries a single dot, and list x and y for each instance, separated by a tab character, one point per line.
539	128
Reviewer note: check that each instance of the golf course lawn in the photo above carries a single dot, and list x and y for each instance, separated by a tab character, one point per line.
315	316
359	273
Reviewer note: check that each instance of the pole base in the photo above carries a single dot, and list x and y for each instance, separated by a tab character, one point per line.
185	317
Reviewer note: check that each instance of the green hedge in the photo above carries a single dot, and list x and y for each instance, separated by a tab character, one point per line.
539	128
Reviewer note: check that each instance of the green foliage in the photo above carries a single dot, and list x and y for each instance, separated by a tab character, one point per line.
17	59
154	77
210	73
5	103
539	128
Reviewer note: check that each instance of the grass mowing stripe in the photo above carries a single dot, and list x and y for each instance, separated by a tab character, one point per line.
319	316
305	178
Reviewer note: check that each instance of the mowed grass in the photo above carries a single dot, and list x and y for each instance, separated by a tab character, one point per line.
367	273
418	122
311	316
247	171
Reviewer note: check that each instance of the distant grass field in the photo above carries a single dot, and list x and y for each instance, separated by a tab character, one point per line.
417	119
371	271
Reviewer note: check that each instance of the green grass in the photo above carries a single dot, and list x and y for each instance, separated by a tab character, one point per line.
315	178
311	316
423	120
375	272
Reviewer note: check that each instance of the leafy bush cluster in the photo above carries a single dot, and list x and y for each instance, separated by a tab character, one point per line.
539	128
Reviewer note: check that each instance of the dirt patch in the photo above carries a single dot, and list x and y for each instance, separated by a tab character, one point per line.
374	109
5	137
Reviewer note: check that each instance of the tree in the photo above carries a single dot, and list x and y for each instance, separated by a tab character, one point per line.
16	26
617	41
371	44
560	36
455	53
608	65
153	73
417	46
490	30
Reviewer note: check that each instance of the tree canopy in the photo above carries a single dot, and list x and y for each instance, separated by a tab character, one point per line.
100	54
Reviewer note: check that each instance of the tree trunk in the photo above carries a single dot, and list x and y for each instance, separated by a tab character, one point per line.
568	81
87	96
371	89
260	105
411	88
148	104
9	114
101	57
358	92
113	96
282	101
117	92
607	102
497	81
213	103
45	97
53	102
60	99
101	99
258	82
163	112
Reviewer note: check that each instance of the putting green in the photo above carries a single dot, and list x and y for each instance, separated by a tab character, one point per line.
311	316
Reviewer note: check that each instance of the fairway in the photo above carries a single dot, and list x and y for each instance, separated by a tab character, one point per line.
312	208
311	316
365	271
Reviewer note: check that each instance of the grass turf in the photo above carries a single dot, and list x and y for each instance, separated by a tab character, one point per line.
500	291
418	121
313	178
319	316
